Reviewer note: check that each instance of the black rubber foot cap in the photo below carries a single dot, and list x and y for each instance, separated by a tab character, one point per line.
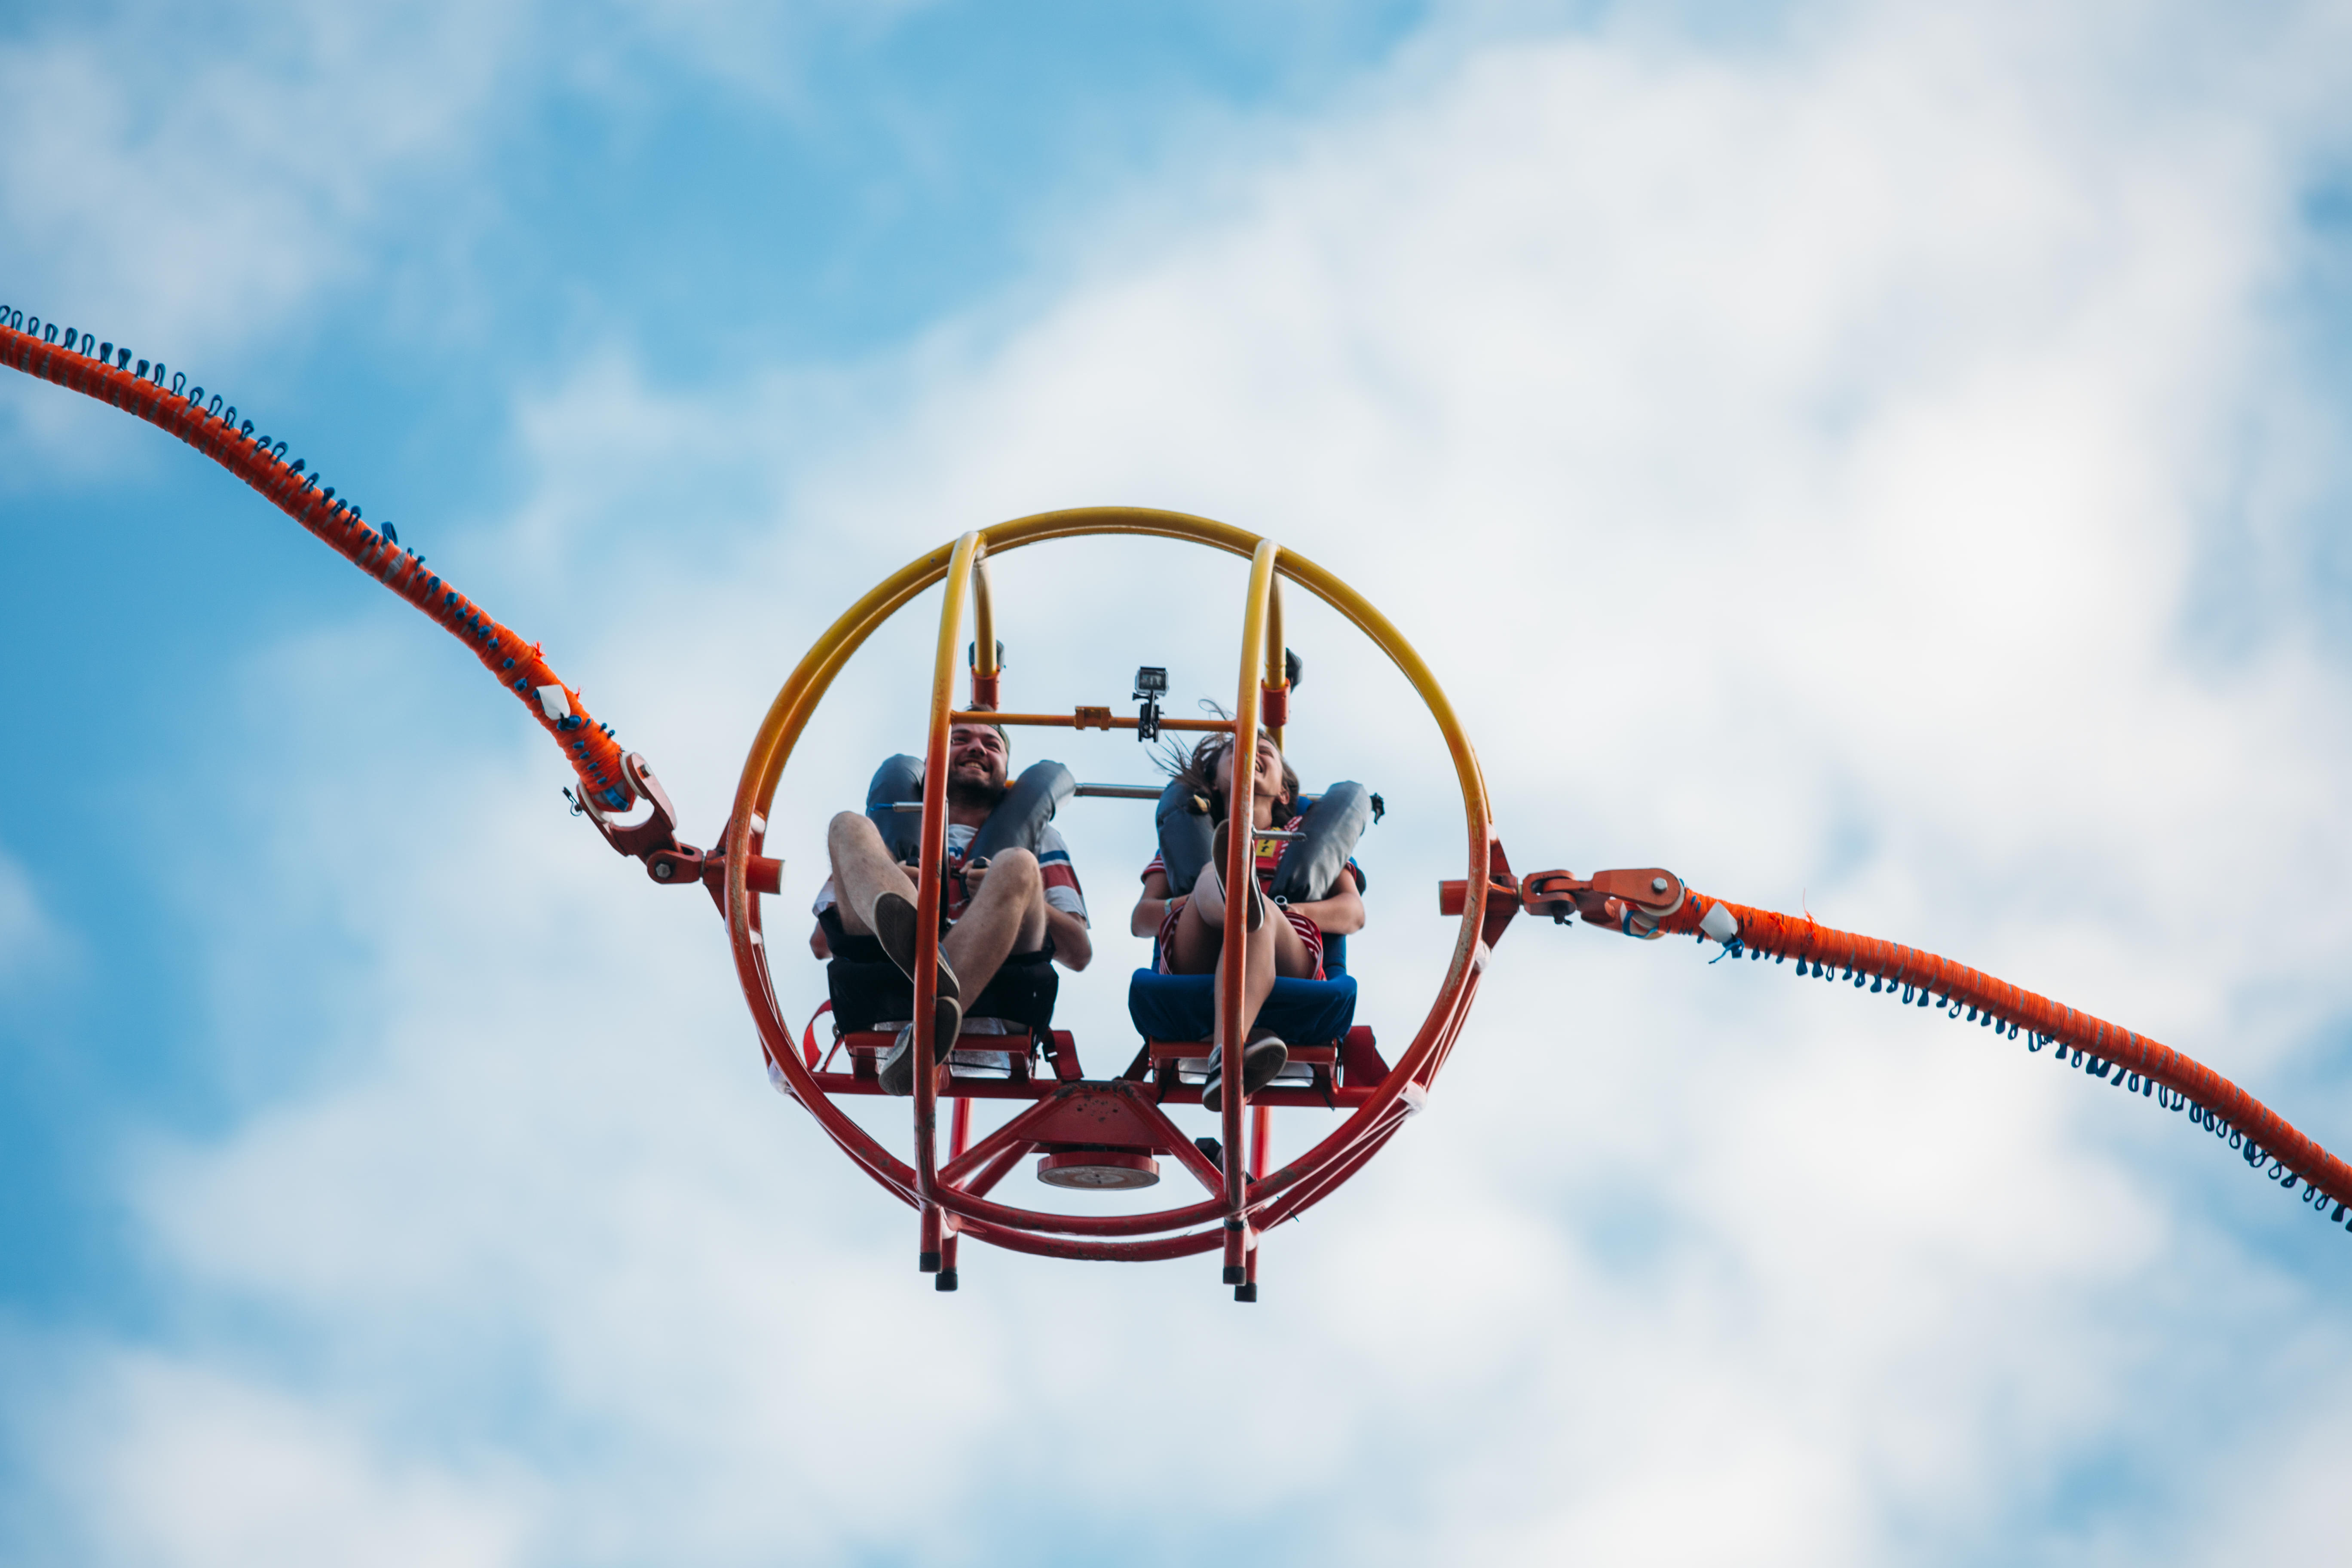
928	1262
1246	1292
946	1281
1235	1274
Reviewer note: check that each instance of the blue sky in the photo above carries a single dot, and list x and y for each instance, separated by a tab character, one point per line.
1870	459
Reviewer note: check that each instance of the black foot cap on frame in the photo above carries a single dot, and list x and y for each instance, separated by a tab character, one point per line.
946	1281
1246	1292
1235	1274
928	1262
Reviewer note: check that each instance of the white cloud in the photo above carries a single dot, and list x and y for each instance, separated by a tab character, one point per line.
192	1465
1795	461
193	178
31	941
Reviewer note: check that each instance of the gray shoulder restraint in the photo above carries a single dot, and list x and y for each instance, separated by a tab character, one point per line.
1018	821
1185	834
900	778
1311	866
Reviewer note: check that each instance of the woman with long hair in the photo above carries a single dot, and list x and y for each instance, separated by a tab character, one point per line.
1284	939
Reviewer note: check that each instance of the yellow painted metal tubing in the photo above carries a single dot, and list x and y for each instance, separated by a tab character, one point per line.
1240	869
1278	664
928	1048
1070	720
983	628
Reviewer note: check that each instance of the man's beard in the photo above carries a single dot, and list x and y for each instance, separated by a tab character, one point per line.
967	791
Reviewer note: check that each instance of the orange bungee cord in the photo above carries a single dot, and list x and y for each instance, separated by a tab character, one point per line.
76	361
1652	903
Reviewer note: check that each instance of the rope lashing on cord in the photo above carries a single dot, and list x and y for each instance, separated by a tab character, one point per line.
2131	1062
104	372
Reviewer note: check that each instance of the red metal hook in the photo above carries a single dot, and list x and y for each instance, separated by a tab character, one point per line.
654	841
1632	901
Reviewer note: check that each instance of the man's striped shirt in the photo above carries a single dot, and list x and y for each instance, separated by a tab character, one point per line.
1060	877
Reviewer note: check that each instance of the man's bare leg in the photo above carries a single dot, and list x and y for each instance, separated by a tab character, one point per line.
863	869
1006	915
877	899
866	876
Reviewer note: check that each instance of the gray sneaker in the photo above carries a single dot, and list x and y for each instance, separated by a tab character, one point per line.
895	921
897	1069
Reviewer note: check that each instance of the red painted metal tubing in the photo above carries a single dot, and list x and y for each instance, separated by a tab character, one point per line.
1043	1245
1804	939
519	667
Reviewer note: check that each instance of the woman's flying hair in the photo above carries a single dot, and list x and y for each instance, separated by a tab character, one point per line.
1198	772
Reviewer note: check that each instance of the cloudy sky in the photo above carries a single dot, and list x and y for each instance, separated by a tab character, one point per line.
1884	459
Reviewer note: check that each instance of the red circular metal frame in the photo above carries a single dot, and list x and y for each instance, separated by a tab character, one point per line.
1263	1201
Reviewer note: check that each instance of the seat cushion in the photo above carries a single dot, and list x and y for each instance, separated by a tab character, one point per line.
1183	1007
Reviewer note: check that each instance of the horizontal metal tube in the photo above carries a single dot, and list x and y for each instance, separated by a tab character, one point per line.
1103	792
1070	721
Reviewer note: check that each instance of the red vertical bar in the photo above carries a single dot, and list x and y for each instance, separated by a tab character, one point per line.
1261	1136
959	1140
960	1131
927	991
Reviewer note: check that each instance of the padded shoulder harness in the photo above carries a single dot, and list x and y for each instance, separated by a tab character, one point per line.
1018	822
1309	868
1185	834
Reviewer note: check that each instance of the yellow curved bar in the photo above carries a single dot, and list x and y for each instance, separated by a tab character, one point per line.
984	667
1240	869
788	715
1277	665
928	1048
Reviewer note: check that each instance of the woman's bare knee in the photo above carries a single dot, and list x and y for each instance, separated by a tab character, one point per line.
1290	953
1194	944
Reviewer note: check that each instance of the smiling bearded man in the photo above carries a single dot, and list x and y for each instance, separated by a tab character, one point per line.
1009	907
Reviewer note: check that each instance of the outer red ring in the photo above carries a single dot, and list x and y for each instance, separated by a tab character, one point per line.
1279	1194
